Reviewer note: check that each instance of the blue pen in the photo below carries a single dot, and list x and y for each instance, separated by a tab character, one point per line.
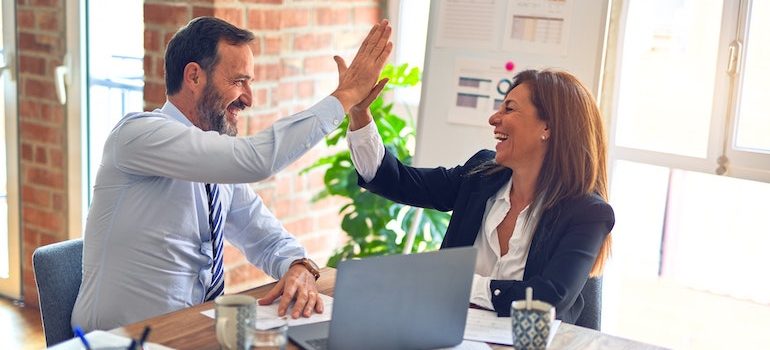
79	332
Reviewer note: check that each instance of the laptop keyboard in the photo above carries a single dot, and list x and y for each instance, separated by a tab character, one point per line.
319	344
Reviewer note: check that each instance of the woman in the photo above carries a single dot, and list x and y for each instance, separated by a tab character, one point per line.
535	207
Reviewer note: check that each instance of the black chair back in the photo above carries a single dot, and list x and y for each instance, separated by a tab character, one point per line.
591	317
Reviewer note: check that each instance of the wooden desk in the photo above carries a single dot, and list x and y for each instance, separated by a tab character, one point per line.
189	329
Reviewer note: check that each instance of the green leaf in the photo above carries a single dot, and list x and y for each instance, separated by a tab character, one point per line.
375	225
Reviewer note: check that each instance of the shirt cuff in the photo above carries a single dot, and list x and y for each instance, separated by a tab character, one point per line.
480	292
286	264
366	150
330	112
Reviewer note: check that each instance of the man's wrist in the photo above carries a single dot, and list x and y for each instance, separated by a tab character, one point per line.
344	99
308	264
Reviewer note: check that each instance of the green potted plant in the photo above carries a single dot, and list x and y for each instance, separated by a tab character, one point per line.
374	225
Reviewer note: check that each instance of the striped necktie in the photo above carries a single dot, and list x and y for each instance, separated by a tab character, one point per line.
217	286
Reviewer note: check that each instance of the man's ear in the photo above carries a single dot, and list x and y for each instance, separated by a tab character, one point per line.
194	76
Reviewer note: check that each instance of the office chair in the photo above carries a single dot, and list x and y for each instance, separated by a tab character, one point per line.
58	272
591	316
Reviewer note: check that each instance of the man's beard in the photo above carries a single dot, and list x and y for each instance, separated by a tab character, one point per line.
213	115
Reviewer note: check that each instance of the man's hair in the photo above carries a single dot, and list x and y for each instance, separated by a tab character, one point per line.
197	42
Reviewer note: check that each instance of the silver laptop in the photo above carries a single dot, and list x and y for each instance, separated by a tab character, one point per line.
417	301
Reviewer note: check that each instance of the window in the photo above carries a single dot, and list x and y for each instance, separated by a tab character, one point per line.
690	173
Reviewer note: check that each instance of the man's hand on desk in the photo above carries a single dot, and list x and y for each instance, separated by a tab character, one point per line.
297	283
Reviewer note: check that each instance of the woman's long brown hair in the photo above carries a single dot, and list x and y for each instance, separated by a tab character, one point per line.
575	163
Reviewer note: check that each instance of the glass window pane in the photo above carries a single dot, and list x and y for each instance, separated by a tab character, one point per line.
115	71
4	262
717	226
753	118
667	75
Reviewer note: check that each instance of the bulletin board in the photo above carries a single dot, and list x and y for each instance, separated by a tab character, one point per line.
475	47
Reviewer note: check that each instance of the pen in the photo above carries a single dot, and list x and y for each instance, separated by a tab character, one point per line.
145	333
79	332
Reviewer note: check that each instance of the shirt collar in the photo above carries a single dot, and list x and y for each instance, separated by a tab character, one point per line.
170	110
503	192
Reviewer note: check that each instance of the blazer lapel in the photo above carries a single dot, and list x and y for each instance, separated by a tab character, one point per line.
470	215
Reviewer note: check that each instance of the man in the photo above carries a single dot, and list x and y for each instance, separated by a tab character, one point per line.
172	183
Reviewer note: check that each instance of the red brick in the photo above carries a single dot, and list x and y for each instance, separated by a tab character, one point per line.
199	11
52	113
41	156
32	195
275	2
232	256
147	61
25	19
154	91
58	202
57	159
295	18
35	43
40	133
299	227
309	42
267	72
241	125
48	20
169	14
260	97
42	218
29	110
299	183
330	220
26	152
319	64
272	45
160	70
286	91
232	15
32	65
259	19
305	89
151	40
261	121
332	16
267	195
256	46
39	88
37	176
318	243
291	67
45	3
366	15
243	273
46	239
31	236
167	38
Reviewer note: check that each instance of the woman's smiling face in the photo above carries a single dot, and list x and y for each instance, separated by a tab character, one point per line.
521	134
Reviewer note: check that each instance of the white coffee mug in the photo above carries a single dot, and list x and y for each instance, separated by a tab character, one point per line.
235	317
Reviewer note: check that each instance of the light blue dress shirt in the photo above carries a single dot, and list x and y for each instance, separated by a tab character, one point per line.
147	245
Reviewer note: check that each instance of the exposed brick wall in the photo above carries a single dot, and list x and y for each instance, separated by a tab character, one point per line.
293	69
42	132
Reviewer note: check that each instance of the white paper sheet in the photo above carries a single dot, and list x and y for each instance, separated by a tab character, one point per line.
104	340
483	325
479	89
469	345
540	27
267	315
466	23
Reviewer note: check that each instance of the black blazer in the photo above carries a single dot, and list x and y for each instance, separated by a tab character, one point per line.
564	247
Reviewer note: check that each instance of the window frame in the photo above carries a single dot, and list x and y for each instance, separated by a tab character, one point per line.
723	121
